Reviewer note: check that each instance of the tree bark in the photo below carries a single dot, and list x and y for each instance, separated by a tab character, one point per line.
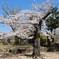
36	43
16	40
8	40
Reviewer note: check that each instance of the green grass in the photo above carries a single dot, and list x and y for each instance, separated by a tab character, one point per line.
8	47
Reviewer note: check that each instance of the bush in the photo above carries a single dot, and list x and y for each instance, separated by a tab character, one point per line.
4	43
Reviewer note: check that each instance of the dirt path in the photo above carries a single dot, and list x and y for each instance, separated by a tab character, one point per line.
50	55
44	55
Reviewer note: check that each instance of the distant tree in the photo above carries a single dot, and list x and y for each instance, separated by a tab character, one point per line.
52	22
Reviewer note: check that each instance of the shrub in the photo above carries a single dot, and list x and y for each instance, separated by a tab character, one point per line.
4	43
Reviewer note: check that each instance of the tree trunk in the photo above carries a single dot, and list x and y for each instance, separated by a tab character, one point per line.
8	40
36	48
16	40
36	43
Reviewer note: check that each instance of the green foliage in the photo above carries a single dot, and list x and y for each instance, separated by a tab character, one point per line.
53	21
4	43
43	37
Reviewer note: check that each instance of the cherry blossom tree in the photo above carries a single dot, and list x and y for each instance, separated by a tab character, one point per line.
22	23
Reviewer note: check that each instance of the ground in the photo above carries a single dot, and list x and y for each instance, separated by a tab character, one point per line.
44	54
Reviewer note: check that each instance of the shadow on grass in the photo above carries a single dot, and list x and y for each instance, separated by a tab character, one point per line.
28	55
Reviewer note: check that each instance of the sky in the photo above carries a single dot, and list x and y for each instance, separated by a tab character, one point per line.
23	4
